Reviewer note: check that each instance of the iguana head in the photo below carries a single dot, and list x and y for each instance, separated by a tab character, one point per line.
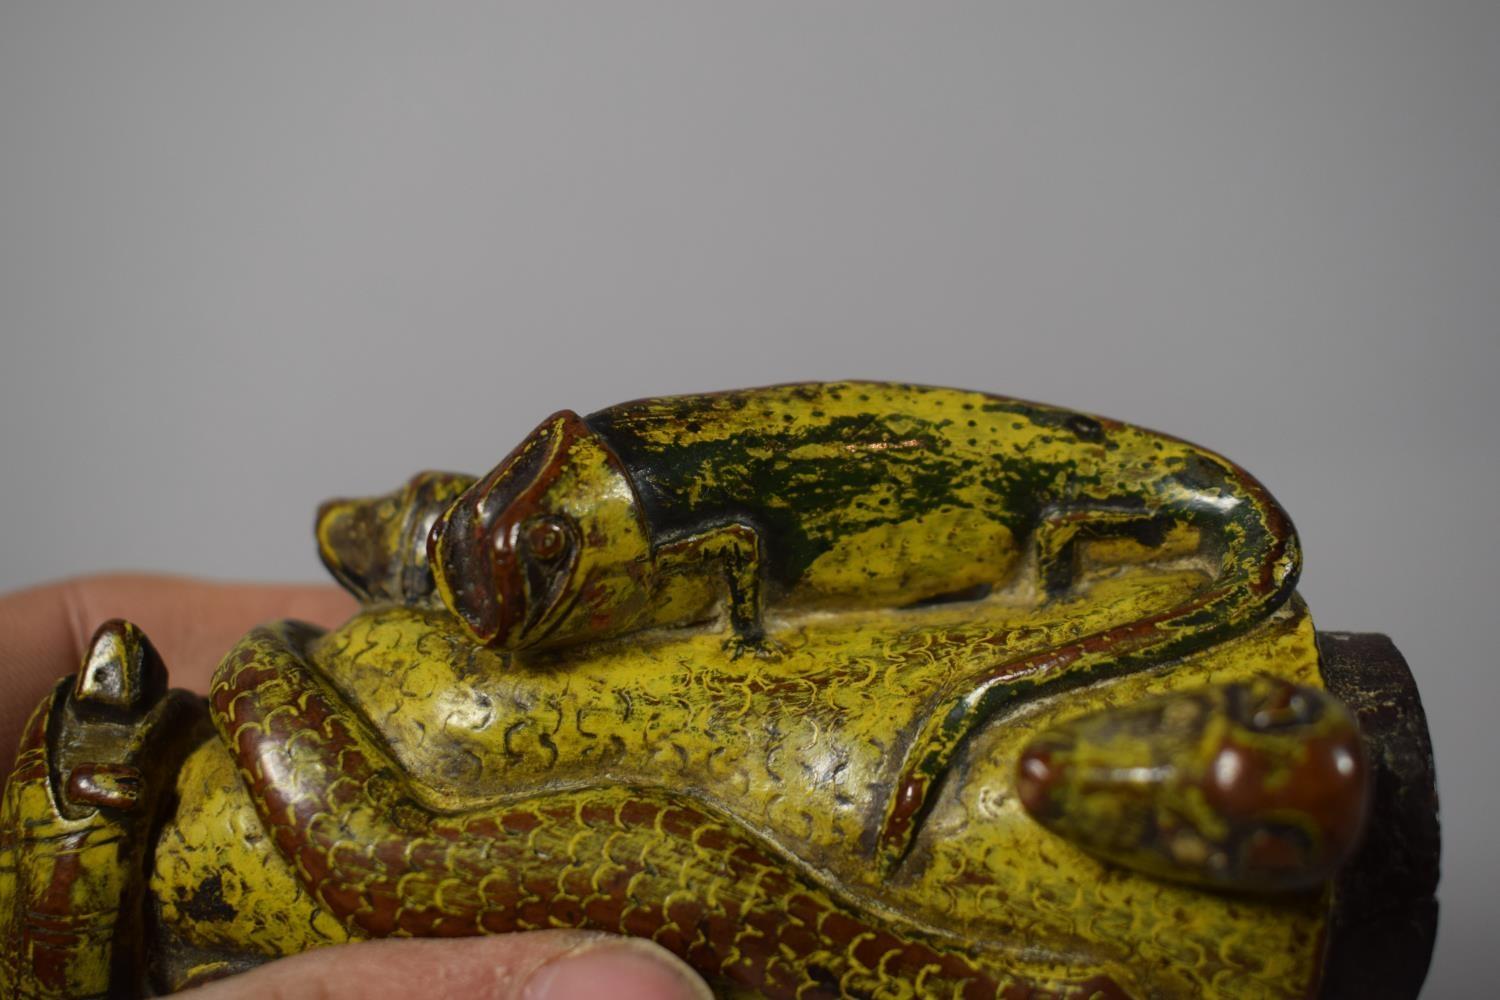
548	547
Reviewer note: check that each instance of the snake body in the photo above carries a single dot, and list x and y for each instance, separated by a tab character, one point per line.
618	859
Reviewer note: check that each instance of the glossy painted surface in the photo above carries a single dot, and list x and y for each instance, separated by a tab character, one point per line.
847	495
539	721
714	810
822	495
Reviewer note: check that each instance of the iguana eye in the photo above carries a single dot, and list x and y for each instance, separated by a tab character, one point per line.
545	538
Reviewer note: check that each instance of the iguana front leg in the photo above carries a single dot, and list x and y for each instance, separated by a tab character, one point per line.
731	552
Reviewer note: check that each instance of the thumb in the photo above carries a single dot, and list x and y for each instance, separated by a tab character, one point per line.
540	965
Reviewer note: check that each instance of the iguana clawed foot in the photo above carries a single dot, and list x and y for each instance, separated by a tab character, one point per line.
762	647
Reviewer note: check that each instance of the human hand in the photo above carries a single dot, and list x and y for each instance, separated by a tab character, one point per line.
43	634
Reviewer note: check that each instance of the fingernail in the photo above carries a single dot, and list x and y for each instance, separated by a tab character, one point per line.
619	970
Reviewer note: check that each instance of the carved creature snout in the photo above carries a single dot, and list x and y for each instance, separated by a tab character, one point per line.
376	547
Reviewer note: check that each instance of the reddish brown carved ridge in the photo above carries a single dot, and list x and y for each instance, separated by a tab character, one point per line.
115	786
641	862
464	540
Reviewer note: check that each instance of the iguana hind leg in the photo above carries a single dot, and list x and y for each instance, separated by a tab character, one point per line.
1060	537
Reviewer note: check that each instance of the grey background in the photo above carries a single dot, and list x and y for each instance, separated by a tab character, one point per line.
251	257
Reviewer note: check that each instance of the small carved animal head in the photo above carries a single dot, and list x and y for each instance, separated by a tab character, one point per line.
548	547
1259	785
376	547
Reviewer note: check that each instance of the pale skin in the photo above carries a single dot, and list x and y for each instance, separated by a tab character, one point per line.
43	633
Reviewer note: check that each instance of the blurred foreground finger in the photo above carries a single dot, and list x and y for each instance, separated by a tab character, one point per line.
542	965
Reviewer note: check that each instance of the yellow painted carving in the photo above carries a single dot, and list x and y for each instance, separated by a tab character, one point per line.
604	686
776	745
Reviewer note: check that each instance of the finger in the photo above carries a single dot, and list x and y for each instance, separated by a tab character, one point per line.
191	622
542	965
44	630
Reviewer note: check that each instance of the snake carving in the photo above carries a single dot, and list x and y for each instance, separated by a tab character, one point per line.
835	689
619	859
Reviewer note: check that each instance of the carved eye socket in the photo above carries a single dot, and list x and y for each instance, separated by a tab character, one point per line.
546	538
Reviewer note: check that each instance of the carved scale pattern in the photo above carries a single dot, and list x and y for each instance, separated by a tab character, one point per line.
613	859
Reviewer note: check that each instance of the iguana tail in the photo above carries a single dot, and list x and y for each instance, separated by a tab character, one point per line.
1259	559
